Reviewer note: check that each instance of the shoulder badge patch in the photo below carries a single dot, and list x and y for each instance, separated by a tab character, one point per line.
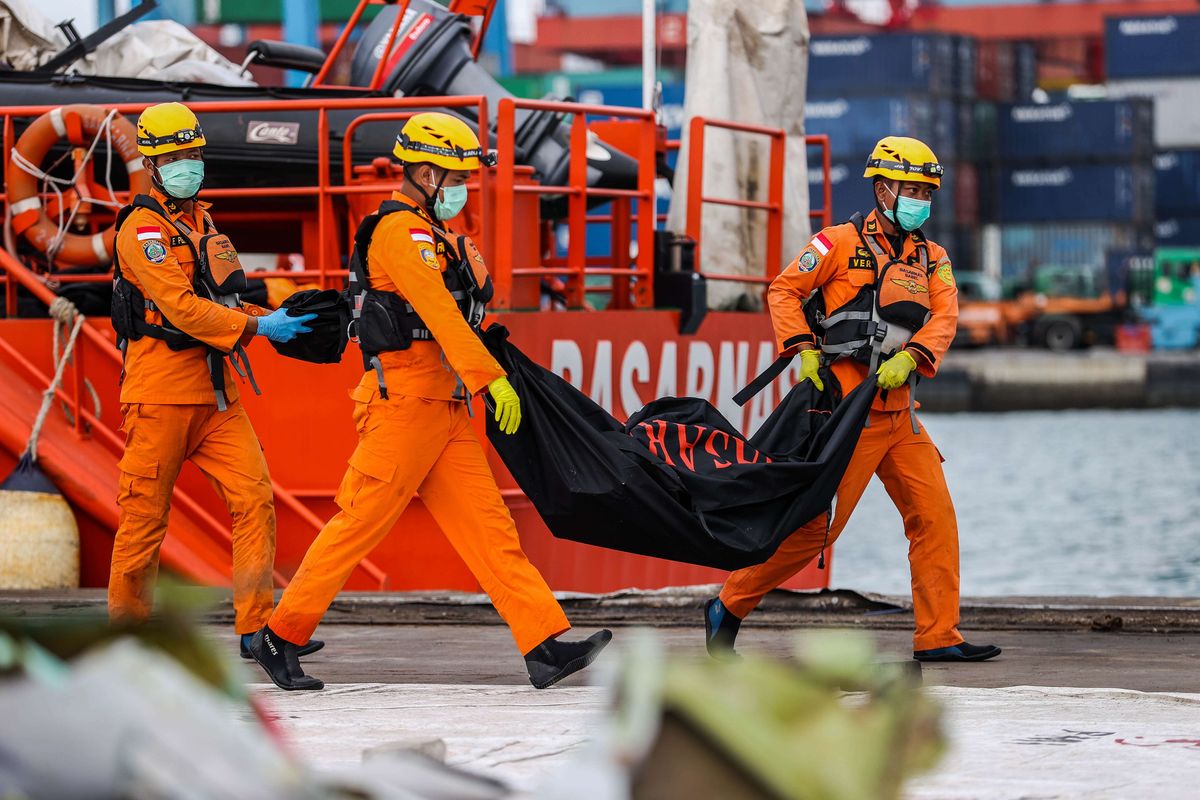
427	255
808	261
944	273
154	250
871	226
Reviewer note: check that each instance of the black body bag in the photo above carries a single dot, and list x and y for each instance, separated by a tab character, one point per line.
677	481
327	340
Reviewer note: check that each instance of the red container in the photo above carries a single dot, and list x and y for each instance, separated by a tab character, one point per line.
1134	338
995	71
966	194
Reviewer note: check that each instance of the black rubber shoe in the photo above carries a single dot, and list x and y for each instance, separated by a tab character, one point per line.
302	650
958	652
281	661
552	660
720	630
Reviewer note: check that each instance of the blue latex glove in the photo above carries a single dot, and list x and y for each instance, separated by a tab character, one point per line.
279	327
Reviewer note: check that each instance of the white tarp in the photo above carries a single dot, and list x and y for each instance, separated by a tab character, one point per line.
747	63
155	50
1021	742
1176	108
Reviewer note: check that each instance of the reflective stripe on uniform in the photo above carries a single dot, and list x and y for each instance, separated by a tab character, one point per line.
845	347
846	316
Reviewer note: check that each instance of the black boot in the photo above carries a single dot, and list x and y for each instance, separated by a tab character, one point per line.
281	661
720	630
959	652
301	650
552	660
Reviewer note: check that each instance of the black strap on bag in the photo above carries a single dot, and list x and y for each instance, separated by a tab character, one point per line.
763	380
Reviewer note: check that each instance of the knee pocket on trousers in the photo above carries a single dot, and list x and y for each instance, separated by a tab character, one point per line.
369	473
140	491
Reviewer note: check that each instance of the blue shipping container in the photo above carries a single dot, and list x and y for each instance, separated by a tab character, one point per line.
855	123
1178	232
852	193
1024	248
1177	183
1144	47
966	57
1101	129
1117	193
901	62
1025	66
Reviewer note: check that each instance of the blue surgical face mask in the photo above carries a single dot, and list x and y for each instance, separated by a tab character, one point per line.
450	202
910	213
182	179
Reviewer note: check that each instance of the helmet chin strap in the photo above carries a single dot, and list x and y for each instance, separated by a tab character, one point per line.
883	208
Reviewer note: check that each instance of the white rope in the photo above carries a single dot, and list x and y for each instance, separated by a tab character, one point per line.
60	322
63	312
23	163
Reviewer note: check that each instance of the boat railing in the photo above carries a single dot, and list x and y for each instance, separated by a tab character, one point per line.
519	246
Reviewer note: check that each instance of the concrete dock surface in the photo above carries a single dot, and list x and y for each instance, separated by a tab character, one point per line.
1060	714
1092	697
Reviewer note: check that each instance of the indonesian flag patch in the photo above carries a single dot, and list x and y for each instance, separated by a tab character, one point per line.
821	244
420	235
151	232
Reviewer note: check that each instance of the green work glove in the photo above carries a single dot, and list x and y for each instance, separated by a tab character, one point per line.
895	371
508	405
810	364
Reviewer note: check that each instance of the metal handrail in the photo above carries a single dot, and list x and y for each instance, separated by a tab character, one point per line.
17	274
773	204
324	190
577	193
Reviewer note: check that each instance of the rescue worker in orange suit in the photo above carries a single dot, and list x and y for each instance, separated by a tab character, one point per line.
412	416
886	271
178	323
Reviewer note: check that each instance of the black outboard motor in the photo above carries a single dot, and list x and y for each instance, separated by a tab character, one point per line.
434	48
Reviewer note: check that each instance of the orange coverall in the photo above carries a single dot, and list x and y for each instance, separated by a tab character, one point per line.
908	463
420	441
170	414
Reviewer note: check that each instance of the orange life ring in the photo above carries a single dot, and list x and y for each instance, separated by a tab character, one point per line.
79	125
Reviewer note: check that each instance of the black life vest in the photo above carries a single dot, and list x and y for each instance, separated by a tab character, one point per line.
217	275
383	321
885	313
877	322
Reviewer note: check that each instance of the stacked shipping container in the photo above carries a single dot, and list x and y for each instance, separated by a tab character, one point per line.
861	88
1159	58
1065	182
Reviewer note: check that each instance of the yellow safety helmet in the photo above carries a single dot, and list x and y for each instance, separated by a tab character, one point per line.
903	159
168	127
443	140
